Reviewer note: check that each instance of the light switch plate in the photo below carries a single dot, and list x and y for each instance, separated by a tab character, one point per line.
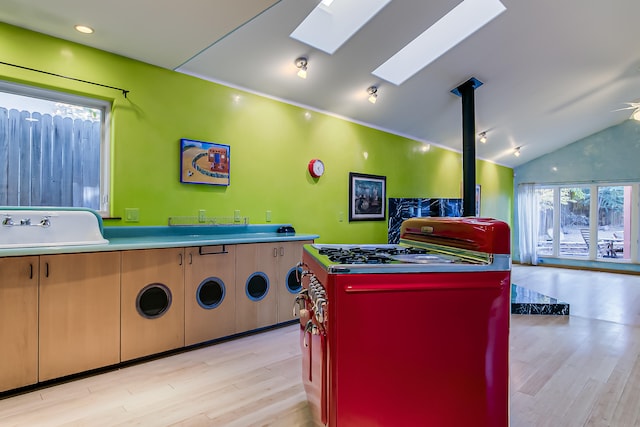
132	214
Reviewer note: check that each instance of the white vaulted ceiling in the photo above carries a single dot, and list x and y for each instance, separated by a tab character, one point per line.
553	71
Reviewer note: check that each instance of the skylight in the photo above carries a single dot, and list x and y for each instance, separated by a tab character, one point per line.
331	24
462	21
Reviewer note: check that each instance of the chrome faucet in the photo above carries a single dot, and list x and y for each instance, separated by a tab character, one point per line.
8	222
45	222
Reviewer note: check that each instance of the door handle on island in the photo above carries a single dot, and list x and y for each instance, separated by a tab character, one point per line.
309	328
299	302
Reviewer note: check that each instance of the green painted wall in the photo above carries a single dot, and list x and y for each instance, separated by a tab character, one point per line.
271	145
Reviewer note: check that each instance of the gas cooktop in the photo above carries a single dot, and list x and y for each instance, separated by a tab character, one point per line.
385	254
426	245
383	258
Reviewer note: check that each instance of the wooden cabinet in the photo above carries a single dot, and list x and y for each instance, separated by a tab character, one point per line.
253	262
18	322
69	313
79	327
210	293
152	302
288	280
256	301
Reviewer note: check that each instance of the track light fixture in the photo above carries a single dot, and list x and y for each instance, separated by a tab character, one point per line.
483	137
301	63
373	94
516	152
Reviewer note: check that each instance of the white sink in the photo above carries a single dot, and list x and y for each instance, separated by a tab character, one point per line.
34	228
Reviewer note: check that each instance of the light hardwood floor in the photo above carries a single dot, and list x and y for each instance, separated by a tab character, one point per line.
578	370
582	369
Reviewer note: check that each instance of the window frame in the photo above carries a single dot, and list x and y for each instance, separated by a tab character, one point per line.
593	219
105	128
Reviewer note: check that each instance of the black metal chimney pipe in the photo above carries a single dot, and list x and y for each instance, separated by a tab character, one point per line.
466	92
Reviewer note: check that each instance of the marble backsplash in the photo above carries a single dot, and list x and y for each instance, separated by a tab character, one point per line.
405	208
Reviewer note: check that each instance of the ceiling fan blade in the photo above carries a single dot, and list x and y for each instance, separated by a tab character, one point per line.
631	106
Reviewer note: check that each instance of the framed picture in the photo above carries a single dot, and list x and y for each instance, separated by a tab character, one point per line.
204	162
367	197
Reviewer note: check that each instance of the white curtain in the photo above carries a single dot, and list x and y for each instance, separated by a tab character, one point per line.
528	214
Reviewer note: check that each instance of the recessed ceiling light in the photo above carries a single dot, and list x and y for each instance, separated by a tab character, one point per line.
462	21
327	28
84	29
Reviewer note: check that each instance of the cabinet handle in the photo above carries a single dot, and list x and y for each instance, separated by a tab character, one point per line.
275	252
30	271
213	250
46	269
190	258
180	259
281	251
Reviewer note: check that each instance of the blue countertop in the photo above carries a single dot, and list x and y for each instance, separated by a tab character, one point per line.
128	238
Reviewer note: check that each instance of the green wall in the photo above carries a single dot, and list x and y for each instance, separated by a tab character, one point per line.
271	144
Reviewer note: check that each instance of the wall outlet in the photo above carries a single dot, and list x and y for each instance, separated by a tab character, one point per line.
340	216
236	215
202	215
267	217
131	214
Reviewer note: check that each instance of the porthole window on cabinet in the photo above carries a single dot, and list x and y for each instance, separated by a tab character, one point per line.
257	286
210	293
153	300
293	280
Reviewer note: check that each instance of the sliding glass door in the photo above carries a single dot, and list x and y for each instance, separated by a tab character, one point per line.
591	222
614	221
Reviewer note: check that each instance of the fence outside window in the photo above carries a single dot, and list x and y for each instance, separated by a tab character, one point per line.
52	153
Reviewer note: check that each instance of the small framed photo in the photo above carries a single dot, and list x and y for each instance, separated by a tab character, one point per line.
367	197
204	162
